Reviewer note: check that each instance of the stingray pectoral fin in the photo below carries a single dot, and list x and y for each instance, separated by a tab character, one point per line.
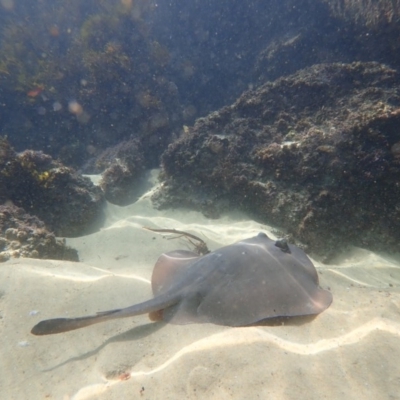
59	325
322	299
168	268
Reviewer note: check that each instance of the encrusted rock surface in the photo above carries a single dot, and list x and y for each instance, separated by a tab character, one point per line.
68	203
22	235
316	153
122	169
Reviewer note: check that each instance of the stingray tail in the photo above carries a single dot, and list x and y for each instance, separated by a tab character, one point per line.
59	325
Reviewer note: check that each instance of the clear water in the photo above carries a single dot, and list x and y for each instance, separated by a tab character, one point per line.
77	77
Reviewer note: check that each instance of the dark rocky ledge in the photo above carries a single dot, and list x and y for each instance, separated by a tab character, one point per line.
316	154
68	203
23	235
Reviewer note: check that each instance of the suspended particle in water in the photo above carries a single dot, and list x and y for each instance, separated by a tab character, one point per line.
41	111
57	106
75	108
7	4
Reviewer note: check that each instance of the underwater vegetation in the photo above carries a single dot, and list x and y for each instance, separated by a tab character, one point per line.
83	73
369	12
78	76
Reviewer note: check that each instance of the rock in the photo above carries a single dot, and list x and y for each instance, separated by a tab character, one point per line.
123	170
23	235
68	203
313	153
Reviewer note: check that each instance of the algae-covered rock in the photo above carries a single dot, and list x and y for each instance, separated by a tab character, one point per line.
68	203
23	235
314	153
123	169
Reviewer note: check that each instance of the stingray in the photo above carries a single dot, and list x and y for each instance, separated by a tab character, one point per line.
237	285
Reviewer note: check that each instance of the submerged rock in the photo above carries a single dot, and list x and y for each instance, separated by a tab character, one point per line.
23	235
314	153
68	203
123	169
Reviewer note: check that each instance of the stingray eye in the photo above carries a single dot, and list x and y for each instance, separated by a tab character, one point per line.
283	245
262	234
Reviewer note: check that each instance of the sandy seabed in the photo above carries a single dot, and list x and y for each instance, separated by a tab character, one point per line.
351	351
